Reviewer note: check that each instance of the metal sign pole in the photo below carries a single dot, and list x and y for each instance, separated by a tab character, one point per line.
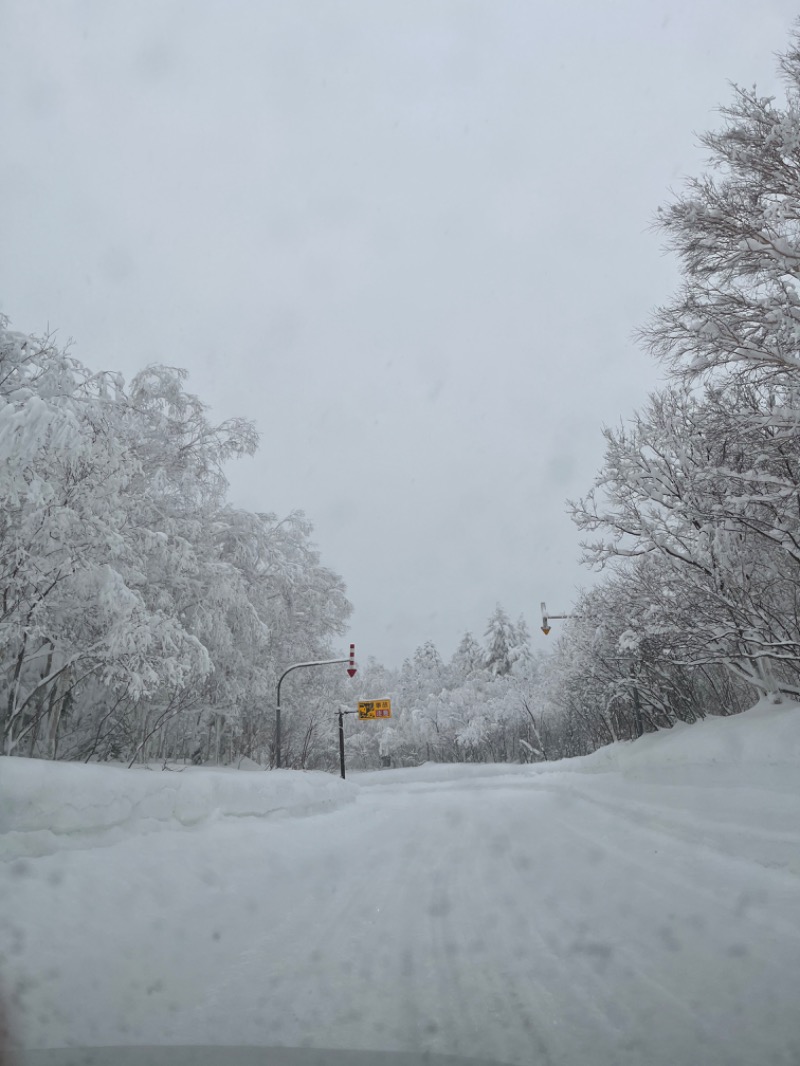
341	743
341	712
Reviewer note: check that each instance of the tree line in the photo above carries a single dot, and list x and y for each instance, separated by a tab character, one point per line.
141	616
695	513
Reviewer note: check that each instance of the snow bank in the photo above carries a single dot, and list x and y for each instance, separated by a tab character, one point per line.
760	747
45	806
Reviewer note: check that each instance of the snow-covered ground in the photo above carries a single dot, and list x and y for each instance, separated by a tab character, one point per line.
641	905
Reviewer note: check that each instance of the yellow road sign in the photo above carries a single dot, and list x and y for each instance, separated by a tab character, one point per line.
374	709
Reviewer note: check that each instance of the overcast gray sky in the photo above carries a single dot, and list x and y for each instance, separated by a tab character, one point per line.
410	240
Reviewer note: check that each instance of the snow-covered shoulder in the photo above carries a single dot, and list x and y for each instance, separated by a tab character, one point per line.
46	805
761	745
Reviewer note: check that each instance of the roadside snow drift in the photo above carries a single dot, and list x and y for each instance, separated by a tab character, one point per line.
45	806
761	745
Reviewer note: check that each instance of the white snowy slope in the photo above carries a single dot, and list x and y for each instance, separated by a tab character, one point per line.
641	905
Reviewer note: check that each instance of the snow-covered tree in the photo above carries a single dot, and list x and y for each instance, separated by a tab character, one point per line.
737	234
708	477
468	658
710	493
73	561
500	643
139	614
521	655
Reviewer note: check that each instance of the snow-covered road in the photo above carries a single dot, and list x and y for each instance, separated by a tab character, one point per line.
515	915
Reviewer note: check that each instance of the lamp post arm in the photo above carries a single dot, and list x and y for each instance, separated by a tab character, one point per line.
546	616
299	666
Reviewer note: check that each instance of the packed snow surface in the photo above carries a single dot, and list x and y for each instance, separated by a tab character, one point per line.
637	906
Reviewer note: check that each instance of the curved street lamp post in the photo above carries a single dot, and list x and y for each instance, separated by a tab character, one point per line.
637	705
351	670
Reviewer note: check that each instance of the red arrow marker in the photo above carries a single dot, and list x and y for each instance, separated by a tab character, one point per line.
351	669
